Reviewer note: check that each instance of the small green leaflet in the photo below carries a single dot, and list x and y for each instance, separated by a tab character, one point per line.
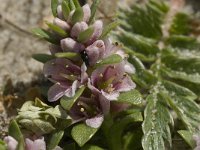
43	58
54	5
93	10
108	29
132	97
67	102
15	132
78	15
85	35
55	139
188	137
112	59
82	133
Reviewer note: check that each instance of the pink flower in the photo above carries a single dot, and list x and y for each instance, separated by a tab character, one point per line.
90	109
11	143
110	80
37	144
66	75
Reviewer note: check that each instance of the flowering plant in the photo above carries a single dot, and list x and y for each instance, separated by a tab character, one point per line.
105	95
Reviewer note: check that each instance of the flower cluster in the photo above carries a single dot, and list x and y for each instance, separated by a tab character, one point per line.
103	83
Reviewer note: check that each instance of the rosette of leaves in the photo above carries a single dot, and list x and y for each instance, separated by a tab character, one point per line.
39	118
167	71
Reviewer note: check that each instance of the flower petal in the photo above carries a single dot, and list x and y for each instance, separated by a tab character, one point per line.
86	12
36	144
126	84
78	28
95	51
98	28
129	68
95	122
59	12
55	92
11	143
62	24
110	96
92	88
68	44
84	75
71	91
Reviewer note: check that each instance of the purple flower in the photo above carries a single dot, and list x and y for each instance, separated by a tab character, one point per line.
91	110
66	75
110	80
36	144
11	143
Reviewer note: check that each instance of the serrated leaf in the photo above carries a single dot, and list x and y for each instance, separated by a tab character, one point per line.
54	139
187	110
93	10
67	102
156	124
82	133
43	58
78	15
46	35
110	60
57	29
139	44
15	132
54	5
188	137
133	97
66	10
108	29
180	24
84	36
177	90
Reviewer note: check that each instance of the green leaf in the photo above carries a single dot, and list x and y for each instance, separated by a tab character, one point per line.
43	58
85	35
2	145
15	132
76	3
91	147
54	5
67	102
69	55
72	5
139	44
54	139
78	15
46	35
133	97
180	24
82	133
66	10
144	19
108	29
177	90
93	10
110	60
116	130
156	124
187	110
188	137
57	29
